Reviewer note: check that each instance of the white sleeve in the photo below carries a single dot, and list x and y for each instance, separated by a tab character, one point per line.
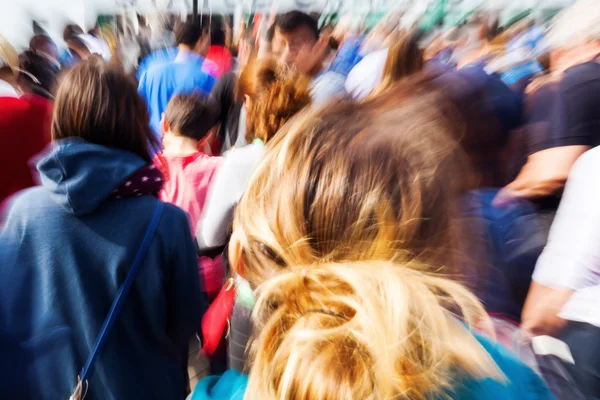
366	75
228	186
571	258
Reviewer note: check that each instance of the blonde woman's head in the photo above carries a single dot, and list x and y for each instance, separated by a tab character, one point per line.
348	234
363	330
371	181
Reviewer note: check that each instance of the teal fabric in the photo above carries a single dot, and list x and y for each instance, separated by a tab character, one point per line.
230	386
522	383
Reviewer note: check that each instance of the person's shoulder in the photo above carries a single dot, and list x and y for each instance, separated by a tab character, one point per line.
204	163
31	204
173	214
244	155
580	76
521	379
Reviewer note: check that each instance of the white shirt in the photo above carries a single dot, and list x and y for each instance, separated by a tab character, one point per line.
366	75
571	258
226	189
7	90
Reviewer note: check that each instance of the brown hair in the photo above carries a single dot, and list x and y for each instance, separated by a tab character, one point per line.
276	99
374	180
99	103
404	58
246	84
191	115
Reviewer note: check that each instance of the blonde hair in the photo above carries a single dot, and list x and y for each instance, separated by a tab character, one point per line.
404	58
370	181
366	330
348	230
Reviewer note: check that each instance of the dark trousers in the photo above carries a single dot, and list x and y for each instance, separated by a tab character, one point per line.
239	336
584	342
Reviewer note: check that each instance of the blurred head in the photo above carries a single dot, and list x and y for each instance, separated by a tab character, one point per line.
78	48
404	59
375	40
43	45
192	37
99	103
9	62
575	33
217	37
346	26
70	31
371	181
293	31
189	115
275	100
348	232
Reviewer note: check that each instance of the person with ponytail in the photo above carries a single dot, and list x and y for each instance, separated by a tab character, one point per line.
270	101
350	237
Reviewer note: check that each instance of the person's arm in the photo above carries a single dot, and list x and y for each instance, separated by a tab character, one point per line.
186	301
226	189
572	253
223	96
543	304
545	172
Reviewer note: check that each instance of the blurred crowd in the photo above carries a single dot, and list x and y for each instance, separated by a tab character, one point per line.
303	211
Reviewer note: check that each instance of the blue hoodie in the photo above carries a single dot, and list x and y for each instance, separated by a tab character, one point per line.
522	383
75	245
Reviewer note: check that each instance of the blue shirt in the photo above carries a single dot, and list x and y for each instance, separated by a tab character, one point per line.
348	56
157	57
166	79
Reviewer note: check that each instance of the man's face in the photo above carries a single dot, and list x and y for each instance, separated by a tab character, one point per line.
286	46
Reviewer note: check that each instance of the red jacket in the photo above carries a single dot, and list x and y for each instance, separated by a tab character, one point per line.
222	57
24	132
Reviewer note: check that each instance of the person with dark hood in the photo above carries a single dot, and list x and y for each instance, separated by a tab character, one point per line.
97	216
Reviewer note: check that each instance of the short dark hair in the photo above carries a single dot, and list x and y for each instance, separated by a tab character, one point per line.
270	33
191	115
217	37
40	42
188	32
99	103
71	30
294	20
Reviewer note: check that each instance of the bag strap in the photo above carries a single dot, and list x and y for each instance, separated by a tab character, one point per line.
88	369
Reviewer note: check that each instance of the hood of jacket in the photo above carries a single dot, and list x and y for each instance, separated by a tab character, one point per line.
80	175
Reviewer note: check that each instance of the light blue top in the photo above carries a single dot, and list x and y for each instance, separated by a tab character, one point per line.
523	383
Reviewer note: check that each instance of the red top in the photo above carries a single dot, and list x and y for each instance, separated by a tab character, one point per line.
186	182
24	132
221	57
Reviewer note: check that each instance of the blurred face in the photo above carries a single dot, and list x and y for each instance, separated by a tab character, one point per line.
286	46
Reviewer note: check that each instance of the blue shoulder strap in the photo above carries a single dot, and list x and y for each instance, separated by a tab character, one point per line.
88	370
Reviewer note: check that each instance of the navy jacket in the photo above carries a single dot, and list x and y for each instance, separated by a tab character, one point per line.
74	246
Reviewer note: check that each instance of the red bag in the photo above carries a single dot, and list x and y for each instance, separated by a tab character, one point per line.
216	319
